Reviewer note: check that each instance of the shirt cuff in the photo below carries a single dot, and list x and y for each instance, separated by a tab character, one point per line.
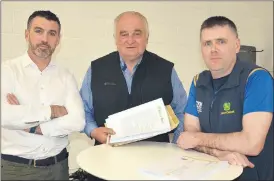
43	114
89	128
45	129
46	114
48	130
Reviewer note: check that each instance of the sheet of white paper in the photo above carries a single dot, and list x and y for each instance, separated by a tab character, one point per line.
140	122
182	168
135	137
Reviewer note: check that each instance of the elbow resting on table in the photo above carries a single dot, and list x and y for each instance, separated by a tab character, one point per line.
254	146
255	149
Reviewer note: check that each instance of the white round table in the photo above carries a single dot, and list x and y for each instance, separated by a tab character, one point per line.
124	162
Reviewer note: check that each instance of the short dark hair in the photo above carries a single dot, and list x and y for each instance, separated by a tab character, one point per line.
218	21
44	14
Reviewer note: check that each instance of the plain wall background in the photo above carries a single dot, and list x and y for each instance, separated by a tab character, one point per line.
87	34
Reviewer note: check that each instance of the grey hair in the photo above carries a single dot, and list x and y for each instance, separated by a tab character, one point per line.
143	18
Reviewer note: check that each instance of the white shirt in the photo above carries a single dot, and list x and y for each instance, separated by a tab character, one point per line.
36	91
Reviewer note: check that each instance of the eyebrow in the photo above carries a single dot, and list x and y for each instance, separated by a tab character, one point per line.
136	30
215	39
221	39
53	31
121	32
39	28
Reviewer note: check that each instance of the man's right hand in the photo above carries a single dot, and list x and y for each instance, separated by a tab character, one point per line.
101	134
58	111
235	158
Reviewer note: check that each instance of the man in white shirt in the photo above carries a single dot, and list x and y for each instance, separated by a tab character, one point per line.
41	105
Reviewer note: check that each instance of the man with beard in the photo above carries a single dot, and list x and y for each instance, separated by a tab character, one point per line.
41	105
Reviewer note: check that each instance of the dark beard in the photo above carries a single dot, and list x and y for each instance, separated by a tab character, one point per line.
41	52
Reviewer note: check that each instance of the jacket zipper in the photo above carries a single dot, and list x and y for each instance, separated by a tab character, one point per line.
211	106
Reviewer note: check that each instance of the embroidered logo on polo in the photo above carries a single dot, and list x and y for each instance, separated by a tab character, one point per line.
199	106
109	83
227	108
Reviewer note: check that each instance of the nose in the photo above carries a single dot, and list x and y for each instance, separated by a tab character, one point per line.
130	39
213	48
44	37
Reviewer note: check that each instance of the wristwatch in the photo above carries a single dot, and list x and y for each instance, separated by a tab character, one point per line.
33	129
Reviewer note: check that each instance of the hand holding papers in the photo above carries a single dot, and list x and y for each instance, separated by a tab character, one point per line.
141	122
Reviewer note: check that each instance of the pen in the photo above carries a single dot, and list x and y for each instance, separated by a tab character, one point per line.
108	137
199	159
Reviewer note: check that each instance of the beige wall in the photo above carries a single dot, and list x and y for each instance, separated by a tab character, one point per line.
87	29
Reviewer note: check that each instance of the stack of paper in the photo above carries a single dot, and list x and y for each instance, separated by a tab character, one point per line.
141	122
183	168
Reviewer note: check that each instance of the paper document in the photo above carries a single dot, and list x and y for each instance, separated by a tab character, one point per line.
141	122
183	168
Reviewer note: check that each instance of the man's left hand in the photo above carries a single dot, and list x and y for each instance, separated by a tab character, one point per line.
188	140
12	99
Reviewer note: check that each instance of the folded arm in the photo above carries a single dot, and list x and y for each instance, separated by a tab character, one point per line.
245	142
257	119
19	117
192	124
72	122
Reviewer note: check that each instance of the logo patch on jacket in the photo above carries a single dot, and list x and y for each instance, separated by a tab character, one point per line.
227	107
199	106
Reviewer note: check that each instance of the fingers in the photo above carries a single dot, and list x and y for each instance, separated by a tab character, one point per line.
240	159
58	111
244	161
11	98
248	163
53	112
110	131
185	144
63	111
104	138
232	161
180	141
101	134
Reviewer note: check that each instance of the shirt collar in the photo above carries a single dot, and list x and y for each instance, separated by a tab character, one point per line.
124	66
233	79
27	61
